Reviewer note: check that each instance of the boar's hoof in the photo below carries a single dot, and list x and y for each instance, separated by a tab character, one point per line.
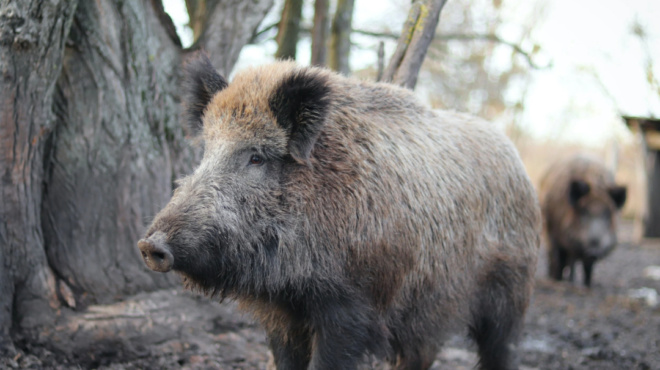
155	255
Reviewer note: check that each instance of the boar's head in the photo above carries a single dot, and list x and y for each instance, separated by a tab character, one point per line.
594	229
225	221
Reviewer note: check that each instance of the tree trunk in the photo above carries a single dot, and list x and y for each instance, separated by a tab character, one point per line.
229	26
115	132
197	15
340	37
320	31
416	36
32	38
287	33
91	144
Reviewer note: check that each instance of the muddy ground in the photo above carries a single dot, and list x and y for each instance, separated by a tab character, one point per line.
613	325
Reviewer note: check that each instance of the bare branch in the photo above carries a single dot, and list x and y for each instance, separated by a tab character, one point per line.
255	38
381	60
465	37
388	35
402	45
438	37
415	40
639	31
494	38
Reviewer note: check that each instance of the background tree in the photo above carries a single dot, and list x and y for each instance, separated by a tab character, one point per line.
340	37
90	144
288	30
472	69
320	29
416	36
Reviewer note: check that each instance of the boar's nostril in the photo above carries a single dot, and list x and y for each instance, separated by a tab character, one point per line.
156	255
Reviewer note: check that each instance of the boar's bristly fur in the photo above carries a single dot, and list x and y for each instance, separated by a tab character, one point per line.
580	203
353	221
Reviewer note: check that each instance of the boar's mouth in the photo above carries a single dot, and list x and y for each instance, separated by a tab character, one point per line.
155	252
599	251
213	275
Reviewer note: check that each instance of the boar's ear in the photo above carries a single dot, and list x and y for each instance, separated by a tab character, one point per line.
577	190
300	104
618	195
201	82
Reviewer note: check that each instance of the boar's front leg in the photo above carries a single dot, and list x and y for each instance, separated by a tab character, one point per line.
345	330
571	265
588	264
291	350
558	257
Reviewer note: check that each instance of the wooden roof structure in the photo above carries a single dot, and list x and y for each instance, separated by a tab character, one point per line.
647	131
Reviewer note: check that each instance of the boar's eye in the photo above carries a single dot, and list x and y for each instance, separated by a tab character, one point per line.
256	159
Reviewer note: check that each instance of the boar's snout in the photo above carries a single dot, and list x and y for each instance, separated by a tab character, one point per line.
155	253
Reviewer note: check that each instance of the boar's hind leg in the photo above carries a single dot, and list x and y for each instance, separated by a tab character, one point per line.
498	315
291	350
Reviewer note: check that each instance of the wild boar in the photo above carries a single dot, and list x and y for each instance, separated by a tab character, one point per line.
580	204
351	220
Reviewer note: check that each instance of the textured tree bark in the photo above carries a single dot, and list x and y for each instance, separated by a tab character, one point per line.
32	38
90	143
340	37
289	28
320	31
416	36
197	14
116	130
229	27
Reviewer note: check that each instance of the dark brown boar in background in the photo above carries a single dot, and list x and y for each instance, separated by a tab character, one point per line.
351	220
580	204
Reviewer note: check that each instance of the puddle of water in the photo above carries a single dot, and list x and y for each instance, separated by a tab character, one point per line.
651	272
537	345
458	354
647	295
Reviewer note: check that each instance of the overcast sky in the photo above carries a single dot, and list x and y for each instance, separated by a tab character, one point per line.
598	66
594	35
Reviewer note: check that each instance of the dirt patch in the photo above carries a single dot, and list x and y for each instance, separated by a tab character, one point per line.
613	325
